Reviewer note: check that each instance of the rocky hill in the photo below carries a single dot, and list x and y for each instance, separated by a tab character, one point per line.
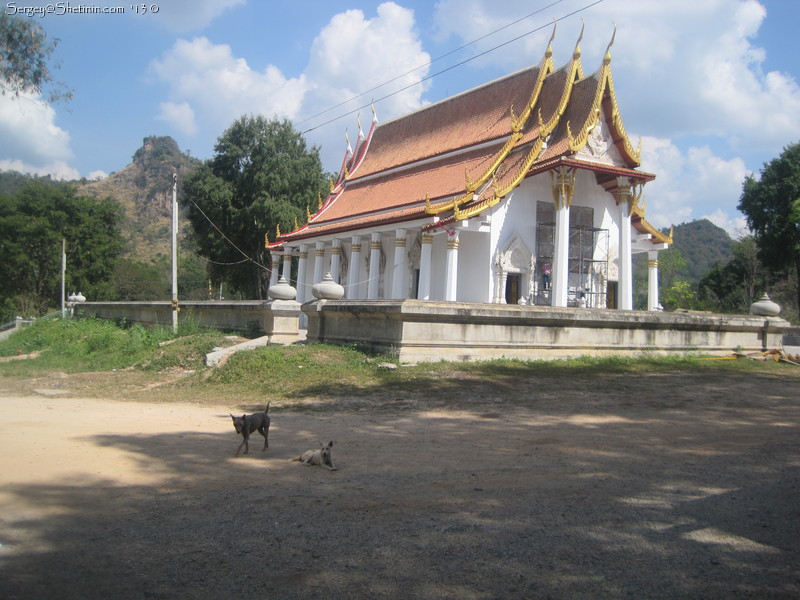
144	191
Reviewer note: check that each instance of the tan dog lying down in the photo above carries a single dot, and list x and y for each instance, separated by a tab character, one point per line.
321	457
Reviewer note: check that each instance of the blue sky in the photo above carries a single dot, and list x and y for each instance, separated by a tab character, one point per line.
710	86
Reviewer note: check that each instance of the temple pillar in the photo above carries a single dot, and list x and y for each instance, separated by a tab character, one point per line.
624	197
302	265
653	302
355	267
563	180
451	271
374	266
336	260
400	264
319	261
424	291
287	265
275	257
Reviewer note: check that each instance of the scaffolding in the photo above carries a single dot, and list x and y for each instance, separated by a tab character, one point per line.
588	265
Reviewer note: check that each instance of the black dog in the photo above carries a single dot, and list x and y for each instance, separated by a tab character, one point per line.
247	424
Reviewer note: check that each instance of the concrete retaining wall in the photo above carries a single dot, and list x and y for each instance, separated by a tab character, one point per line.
417	330
277	319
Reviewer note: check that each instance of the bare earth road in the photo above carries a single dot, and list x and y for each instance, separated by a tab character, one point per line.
670	486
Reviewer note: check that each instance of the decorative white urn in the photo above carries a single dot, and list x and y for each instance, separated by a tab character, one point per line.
765	307
282	290
327	289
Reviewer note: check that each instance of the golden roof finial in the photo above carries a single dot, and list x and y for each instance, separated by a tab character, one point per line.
296	227
308	214
549	52
319	202
607	57
576	54
277	231
266	240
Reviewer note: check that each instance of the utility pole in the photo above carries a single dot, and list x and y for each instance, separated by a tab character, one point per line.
175	253
63	277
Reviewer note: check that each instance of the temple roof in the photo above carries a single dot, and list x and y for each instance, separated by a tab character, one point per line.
456	158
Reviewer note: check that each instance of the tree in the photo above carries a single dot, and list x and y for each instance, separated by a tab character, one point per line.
261	177
26	59
33	224
771	205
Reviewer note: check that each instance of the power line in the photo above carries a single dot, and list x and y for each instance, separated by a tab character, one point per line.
450	68
427	64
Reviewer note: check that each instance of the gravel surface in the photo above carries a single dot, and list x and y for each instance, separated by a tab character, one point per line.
670	486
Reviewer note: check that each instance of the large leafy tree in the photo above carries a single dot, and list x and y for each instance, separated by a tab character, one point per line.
771	204
33	224
26	59
262	176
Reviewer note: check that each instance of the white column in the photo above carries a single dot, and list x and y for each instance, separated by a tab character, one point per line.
400	267
319	260
276	261
287	265
355	267
336	260
302	265
563	188
424	291
374	266
623	196
451	275
653	302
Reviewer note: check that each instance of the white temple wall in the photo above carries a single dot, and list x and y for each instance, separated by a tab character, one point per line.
474	267
438	266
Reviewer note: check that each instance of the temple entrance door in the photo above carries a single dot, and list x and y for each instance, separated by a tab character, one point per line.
611	294
512	288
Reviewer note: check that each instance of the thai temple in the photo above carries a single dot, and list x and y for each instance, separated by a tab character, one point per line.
525	190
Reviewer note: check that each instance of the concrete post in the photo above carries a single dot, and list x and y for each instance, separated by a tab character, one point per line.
623	197
400	266
653	302
374	266
302	265
319	260
275	257
336	260
563	187
424	291
355	268
451	275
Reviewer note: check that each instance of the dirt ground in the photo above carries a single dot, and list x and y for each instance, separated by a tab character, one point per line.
658	486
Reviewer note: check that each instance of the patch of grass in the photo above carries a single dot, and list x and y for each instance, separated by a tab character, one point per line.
75	346
302	374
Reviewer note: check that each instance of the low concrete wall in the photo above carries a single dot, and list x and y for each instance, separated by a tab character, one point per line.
277	319
417	330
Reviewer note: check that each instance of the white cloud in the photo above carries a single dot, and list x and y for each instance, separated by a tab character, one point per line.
58	170
179	115
32	142
692	184
190	15
354	54
209	86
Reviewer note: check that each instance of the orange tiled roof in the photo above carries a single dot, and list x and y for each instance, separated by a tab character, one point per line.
436	160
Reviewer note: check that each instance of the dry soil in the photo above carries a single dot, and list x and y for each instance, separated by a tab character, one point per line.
665	486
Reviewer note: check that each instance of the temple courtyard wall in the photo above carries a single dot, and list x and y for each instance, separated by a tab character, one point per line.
419	330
